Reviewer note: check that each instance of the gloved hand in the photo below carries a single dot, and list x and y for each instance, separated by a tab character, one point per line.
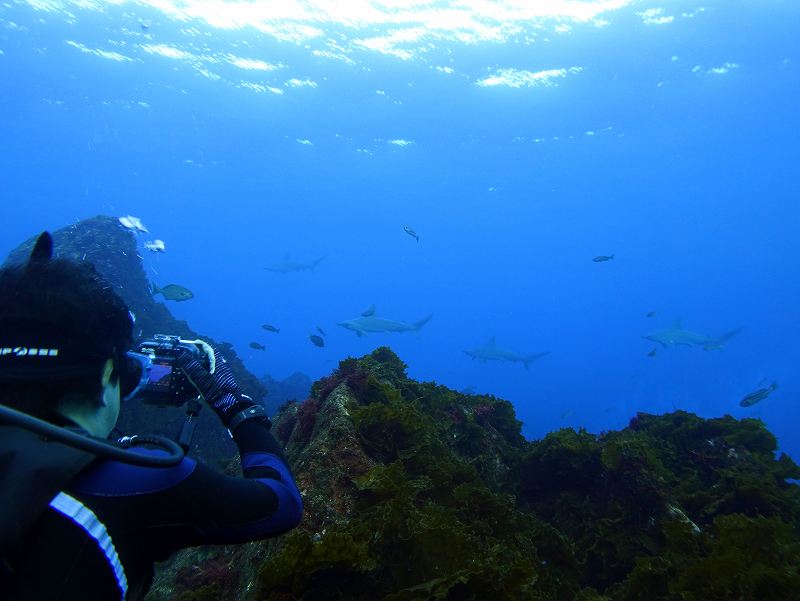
219	389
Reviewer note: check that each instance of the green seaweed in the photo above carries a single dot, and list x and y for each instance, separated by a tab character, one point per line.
455	505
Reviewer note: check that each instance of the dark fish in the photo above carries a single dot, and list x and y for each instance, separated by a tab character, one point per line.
321	331
270	328
369	312
410	231
758	395
257	346
316	340
173	292
651	314
602	258
652	353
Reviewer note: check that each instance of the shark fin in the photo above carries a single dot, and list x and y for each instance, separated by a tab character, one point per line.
531	358
728	335
317	262
422	322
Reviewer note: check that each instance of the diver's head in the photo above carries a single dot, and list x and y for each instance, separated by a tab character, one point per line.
64	335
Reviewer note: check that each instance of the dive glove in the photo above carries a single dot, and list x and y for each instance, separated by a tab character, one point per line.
219	389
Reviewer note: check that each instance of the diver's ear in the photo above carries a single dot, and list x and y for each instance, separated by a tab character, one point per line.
43	249
105	377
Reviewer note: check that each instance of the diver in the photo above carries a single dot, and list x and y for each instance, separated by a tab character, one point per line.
76	521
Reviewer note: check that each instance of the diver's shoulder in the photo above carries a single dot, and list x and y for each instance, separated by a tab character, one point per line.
111	478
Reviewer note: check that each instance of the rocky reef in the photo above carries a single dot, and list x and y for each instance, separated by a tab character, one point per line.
416	492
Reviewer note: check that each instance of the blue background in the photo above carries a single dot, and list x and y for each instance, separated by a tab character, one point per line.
687	176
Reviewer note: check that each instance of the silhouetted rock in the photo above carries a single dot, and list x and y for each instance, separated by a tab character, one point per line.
296	387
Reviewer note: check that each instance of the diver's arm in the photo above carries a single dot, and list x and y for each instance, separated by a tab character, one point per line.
208	507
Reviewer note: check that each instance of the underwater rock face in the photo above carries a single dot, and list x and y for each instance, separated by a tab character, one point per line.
111	248
413	491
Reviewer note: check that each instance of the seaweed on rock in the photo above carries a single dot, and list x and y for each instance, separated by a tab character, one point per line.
445	500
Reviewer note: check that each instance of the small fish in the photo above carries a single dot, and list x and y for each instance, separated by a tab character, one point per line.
410	231
651	314
602	258
173	292
317	340
270	328
257	346
145	24
566	414
156	246
369	312
758	395
652	353
133	223
321	331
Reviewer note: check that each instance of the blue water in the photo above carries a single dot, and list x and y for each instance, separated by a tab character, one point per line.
668	139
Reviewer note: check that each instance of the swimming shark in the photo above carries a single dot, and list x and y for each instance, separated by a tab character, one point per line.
491	352
370	324
677	336
289	266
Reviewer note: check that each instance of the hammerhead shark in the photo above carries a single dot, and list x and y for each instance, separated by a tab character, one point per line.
491	352
289	266
677	336
370	324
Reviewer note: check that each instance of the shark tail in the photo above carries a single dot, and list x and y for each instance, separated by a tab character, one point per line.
728	335
317	262
418	325
531	358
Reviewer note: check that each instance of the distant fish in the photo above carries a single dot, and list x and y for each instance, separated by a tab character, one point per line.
491	352
156	246
257	346
289	266
133	223
652	353
145	24
270	328
566	414
321	331
317	340
173	292
602	258
410	231
365	325
677	336
369	312
651	314
758	395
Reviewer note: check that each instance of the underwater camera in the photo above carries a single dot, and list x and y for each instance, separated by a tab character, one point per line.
168	385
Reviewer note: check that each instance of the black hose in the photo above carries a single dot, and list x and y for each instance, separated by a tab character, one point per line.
96	445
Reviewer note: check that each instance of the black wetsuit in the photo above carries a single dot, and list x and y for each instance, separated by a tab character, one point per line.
99	537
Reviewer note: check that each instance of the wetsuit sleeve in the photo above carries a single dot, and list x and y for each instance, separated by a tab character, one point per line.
211	508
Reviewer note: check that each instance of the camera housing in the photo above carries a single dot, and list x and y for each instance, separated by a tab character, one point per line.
168	385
